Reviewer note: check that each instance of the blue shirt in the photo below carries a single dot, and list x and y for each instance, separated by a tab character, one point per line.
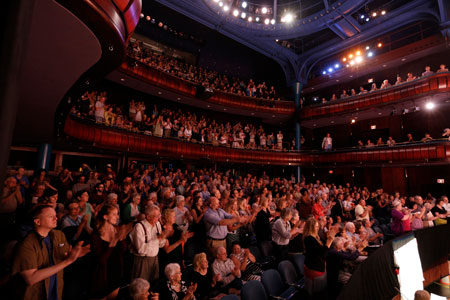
212	219
52	288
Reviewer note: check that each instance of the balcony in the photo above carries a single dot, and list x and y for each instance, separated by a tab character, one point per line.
100	136
436	84
153	76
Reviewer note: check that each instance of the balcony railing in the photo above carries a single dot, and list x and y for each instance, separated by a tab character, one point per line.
167	81
122	140
436	83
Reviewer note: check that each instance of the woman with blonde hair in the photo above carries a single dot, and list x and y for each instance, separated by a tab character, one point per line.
315	255
203	277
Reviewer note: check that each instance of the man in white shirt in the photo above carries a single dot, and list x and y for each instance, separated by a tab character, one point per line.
362	212
327	143
146	239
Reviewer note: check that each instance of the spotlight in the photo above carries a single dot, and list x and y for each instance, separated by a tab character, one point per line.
367	47
370	54
429	105
220	4
276	40
244	4
358	52
359	59
160	24
330	70
367	19
226	8
216	1
324	72
374	14
264	10
235	13
362	16
347	65
243	15
148	18
352	62
288	18
272	21
266	21
380	45
336	66
350	56
344	59
383	12
250	19
353	121
257	19
141	15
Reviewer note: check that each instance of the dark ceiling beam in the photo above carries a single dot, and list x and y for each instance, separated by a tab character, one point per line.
444	13
325	2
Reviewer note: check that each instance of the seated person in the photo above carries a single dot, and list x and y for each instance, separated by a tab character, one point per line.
229	271
362	90
74	225
385	84
250	270
380	142
204	278
337	273
390	142
399	80
373	87
138	290
333	97
176	289
344	94
353	92
427	138
369	144
427	71
410	77
442	68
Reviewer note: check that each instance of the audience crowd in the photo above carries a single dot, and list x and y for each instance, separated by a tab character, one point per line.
209	79
188	234
179	124
346	93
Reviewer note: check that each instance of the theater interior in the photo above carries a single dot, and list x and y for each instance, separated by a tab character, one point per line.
351	94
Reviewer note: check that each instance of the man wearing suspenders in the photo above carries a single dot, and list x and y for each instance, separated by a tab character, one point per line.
146	239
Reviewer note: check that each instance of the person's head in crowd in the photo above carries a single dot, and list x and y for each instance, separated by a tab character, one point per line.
99	188
50	197
350	227
286	214
112	199
139	289
73	209
338	243
221	253
152	214
168	216
44	218
422	295
200	262
107	214
311	228
173	273
180	201
82	196
136	198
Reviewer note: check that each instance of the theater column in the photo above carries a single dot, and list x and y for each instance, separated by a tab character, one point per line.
15	25
297	89
44	155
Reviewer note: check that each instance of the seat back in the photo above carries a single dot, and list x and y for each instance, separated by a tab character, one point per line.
253	290
299	262
272	282
230	297
287	272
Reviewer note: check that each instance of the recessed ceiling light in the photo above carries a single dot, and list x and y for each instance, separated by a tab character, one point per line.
159	93
122	79
178	98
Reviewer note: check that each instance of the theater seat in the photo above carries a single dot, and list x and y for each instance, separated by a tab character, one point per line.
253	290
275	287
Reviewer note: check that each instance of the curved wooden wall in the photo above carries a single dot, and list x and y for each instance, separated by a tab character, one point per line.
435	83
154	76
120	140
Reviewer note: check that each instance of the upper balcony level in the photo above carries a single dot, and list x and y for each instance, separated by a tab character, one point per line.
99	136
137	74
415	92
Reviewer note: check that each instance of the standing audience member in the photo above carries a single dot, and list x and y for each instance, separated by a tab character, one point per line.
42	256
146	238
327	143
